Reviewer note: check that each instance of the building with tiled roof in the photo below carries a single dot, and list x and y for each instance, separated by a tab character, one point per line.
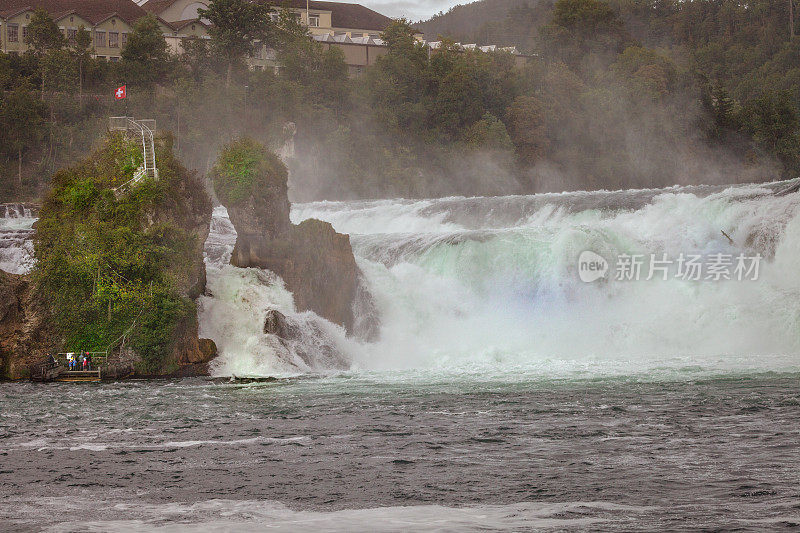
334	18
109	21
351	27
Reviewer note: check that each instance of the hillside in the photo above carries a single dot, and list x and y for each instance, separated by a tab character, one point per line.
502	22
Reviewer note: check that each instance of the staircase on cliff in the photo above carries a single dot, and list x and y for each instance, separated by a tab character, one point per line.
145	129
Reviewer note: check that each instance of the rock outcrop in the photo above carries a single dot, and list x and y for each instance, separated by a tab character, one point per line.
27	333
307	341
314	261
116	271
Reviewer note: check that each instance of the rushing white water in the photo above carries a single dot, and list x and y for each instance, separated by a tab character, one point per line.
490	285
16	232
233	311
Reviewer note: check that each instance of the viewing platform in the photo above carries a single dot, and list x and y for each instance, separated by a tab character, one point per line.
59	370
79	375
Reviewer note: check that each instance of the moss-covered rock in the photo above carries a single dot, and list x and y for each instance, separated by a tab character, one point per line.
315	262
122	270
253	183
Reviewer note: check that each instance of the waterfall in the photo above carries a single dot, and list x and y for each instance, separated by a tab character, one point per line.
235	306
491	284
16	234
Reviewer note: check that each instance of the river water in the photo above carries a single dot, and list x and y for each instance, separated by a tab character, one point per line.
502	392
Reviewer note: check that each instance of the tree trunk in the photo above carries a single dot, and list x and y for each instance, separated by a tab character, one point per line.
80	82
19	165
791	19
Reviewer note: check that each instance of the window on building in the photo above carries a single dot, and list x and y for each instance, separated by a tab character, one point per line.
124	39
274	17
113	39
313	21
354	35
114	59
13	33
100	39
24	33
72	33
101	57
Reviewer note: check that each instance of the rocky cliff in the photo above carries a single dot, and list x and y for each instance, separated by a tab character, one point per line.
27	332
314	261
117	269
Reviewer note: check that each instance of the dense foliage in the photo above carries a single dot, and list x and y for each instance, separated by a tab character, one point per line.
616	94
743	58
245	168
111	264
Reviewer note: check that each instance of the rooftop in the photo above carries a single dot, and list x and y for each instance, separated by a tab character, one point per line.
93	11
343	15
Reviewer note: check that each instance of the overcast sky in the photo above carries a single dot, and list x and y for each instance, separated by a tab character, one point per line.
413	10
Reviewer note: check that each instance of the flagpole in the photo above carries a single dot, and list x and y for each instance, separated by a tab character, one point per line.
126	99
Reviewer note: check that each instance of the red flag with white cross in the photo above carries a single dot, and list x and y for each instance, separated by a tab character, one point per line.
121	92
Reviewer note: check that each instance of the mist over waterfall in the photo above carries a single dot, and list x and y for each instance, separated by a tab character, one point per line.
490	285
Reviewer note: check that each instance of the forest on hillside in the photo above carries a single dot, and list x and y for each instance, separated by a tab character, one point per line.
615	95
721	66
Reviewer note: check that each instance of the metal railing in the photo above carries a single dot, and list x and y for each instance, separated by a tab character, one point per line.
99	359
146	129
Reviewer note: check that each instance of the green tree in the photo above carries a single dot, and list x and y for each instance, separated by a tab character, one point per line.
774	122
585	16
22	118
81	49
645	72
235	26
43	37
399	38
526	126
195	57
489	132
397	86
459	102
145	57
578	27
43	33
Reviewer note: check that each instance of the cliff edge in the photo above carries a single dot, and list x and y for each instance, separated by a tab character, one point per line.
116	270
315	262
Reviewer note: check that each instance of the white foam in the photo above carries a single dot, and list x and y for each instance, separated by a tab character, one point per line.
256	516
504	297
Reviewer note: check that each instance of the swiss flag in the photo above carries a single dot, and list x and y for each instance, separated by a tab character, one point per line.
121	93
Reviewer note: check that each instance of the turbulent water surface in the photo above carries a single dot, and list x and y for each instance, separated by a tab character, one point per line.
501	391
398	452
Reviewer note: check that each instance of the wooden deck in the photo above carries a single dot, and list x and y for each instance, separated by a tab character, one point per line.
58	370
79	375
